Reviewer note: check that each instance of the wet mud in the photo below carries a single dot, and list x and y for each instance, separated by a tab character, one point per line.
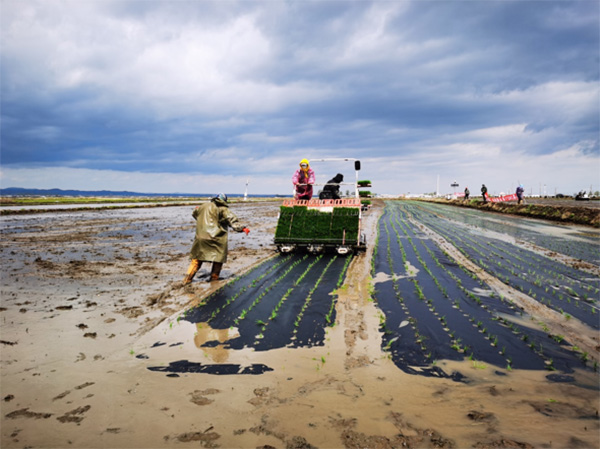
100	338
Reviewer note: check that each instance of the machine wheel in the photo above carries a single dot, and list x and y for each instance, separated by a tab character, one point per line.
286	248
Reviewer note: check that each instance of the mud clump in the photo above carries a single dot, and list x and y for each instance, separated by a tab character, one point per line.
207	438
424	439
25	413
504	444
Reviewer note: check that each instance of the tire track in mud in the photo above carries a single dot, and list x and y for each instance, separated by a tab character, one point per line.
287	301
436	308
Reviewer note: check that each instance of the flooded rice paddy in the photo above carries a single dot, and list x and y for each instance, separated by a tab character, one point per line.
456	328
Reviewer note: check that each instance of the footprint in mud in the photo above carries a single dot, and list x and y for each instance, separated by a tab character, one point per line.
25	413
563	410
415	437
199	396
504	443
484	418
261	396
62	395
206	438
69	307
78	387
74	415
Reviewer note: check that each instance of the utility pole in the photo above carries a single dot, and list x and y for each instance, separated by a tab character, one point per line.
246	192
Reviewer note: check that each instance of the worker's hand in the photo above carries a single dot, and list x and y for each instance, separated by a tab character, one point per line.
246	230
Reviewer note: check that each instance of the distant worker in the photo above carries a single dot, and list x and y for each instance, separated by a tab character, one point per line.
467	193
484	192
520	192
303	179
210	245
331	191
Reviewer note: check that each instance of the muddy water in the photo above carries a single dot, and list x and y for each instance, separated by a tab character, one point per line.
91	301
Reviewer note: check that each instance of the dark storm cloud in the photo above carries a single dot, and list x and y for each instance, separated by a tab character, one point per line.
244	88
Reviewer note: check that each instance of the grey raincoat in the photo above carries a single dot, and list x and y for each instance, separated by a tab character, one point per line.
212	220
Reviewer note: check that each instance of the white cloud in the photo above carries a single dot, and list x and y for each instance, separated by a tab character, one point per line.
148	63
227	90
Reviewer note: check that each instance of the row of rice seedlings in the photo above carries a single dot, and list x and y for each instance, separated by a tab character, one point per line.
539	263
578	250
516	330
419	339
257	300
460	244
404	224
456	342
230	284
493	250
285	296
542	299
527	269
577	294
237	294
308	299
402	250
464	269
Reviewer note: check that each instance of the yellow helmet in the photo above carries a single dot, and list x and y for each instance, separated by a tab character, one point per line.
304	161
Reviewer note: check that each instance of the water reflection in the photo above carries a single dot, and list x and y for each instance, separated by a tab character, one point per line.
211	341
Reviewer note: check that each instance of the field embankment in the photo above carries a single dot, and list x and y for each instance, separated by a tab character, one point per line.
582	215
30	205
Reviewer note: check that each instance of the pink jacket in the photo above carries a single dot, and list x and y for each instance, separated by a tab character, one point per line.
304	192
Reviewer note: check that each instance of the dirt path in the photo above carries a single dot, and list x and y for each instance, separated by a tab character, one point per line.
90	302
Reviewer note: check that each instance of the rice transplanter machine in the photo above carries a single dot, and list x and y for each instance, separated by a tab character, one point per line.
319	225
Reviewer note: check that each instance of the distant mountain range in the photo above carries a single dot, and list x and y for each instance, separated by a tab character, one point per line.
16	191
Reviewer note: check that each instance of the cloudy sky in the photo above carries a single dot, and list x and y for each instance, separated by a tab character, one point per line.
200	96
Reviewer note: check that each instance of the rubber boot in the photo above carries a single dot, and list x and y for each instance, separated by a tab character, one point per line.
216	270
191	272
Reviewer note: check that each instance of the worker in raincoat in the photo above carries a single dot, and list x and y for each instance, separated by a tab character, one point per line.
303	179
210	245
